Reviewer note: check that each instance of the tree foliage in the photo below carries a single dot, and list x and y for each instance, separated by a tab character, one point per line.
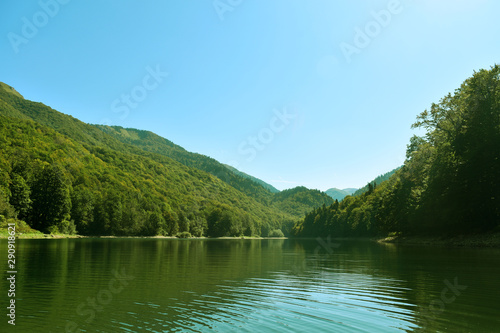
450	182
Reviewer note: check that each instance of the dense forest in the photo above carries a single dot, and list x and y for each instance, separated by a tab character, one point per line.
60	175
449	183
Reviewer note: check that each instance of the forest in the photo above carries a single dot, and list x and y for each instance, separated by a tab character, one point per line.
449	184
60	175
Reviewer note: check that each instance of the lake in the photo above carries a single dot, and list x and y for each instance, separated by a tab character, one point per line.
235	285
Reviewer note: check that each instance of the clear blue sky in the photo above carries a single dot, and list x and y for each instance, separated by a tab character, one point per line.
347	83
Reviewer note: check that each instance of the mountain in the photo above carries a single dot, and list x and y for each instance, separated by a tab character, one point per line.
296	205
377	181
62	175
297	200
10	90
151	142
339	195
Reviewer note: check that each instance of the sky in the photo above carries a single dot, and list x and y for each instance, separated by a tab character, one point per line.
316	93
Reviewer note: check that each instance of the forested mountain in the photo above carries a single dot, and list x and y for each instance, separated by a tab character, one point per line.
449	183
151	142
377	181
62	175
296	200
337	194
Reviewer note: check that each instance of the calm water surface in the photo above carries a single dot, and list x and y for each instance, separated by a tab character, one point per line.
167	285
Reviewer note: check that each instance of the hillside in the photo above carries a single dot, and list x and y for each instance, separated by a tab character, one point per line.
10	90
60	174
297	200
150	142
377	181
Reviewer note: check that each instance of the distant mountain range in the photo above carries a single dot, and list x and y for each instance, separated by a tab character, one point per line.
338	194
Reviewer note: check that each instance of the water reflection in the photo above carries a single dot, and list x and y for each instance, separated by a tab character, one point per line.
251	285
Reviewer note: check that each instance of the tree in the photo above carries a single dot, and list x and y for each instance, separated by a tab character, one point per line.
51	200
82	210
171	225
477	146
183	223
153	225
114	212
220	222
20	196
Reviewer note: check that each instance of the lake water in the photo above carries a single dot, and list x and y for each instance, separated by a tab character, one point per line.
168	285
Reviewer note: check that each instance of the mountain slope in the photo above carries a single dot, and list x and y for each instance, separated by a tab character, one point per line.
259	190
10	90
377	181
297	200
151	142
124	181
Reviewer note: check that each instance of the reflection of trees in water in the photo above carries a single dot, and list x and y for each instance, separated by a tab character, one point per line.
63	273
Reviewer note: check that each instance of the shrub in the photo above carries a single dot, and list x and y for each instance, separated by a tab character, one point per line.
184	234
276	233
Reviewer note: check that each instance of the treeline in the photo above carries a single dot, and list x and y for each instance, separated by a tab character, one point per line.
450	181
43	196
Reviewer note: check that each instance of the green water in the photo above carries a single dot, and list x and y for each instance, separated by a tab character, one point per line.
166	285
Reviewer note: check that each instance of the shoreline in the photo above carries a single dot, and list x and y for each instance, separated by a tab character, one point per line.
491	240
63	236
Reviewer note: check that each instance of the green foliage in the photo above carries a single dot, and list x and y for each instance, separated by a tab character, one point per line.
373	183
154	224
82	210
20	196
62	175
184	234
276	233
21	226
299	200
51	200
450	182
295	205
219	222
6	209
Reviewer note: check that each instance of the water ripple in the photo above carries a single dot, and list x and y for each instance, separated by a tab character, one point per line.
283	303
